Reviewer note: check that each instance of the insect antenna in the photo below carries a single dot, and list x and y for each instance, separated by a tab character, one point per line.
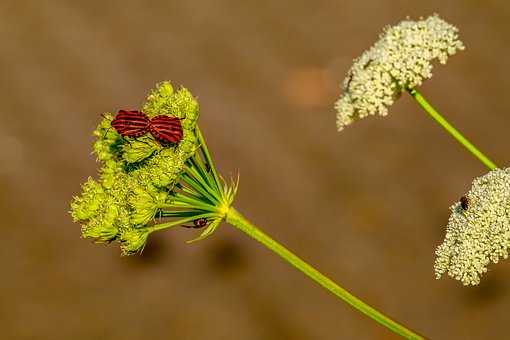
106	132
108	129
142	141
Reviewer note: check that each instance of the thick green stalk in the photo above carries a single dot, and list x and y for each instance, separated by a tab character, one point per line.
451	130
236	219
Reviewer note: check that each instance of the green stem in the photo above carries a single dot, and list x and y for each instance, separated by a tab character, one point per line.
237	220
451	130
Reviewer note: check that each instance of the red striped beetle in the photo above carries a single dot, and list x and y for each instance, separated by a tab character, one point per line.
165	129
131	123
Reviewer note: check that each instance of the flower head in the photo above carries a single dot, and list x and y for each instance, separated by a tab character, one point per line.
478	230
402	58
85	206
136	174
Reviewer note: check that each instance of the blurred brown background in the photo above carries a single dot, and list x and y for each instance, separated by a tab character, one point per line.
367	206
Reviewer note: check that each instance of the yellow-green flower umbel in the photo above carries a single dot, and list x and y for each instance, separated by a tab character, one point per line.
141	178
478	230
401	59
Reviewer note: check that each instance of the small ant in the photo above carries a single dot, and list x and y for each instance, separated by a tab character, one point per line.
198	223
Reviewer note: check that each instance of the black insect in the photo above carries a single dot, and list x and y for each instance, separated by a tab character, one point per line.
464	203
198	223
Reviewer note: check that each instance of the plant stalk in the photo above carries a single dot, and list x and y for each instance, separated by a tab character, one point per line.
237	220
451	130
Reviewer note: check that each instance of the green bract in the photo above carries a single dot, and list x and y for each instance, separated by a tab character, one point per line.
137	175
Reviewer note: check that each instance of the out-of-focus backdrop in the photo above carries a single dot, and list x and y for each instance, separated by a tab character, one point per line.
368	206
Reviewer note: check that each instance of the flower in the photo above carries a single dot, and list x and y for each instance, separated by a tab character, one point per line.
85	206
133	241
165	101
145	201
400	59
478	230
136	174
140	149
112	210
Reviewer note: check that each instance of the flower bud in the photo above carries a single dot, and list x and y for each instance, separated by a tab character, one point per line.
162	170
105	146
109	172
103	228
87	205
139	149
133	240
164	101
145	202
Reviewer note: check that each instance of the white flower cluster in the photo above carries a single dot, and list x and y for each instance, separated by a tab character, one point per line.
478	230
400	59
